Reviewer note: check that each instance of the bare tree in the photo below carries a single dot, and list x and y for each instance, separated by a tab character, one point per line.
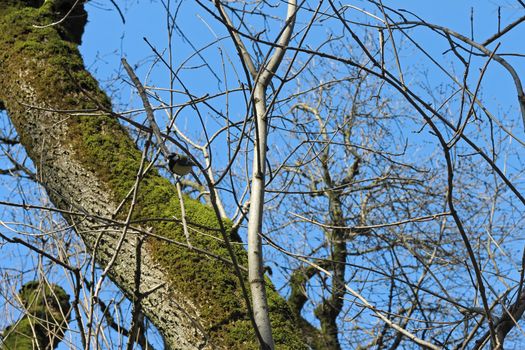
382	184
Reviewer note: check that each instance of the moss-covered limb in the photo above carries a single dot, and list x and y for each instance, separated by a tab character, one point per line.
45	320
315	338
90	163
298	280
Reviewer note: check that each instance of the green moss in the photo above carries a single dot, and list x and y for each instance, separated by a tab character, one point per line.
104	147
47	313
206	281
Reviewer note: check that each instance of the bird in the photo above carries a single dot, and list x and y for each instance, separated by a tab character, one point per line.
180	164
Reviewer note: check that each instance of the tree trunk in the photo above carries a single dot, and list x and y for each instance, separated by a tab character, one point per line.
88	164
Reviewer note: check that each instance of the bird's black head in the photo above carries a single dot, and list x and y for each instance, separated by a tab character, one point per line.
173	158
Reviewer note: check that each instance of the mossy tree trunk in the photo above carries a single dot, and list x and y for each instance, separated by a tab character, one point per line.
88	164
47	313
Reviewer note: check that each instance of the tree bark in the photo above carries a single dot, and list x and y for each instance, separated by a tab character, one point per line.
88	164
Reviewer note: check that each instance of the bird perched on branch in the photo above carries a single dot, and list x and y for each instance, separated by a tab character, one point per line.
180	164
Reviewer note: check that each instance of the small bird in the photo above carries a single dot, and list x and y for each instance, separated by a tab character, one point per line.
180	164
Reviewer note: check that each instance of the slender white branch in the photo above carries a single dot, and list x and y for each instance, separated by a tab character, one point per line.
271	67
255	252
255	217
262	77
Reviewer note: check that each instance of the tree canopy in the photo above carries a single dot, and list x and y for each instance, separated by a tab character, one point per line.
357	183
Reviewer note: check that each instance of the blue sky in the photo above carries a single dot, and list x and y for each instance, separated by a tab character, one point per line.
106	39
